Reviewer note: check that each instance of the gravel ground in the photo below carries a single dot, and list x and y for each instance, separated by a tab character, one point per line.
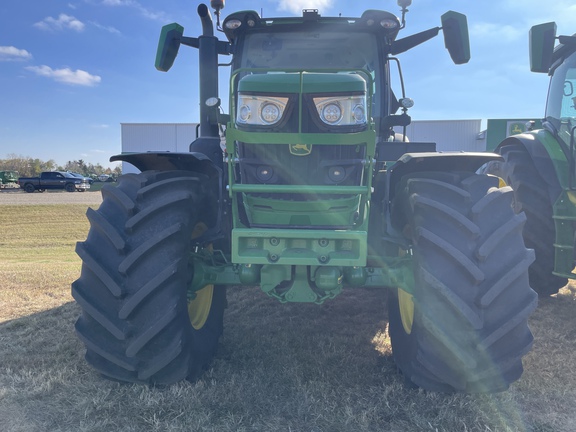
11	197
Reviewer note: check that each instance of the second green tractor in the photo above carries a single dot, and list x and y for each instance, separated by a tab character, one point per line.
540	165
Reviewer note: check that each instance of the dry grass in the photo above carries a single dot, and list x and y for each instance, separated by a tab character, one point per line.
280	367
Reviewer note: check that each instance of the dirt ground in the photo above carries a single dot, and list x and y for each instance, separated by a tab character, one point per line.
11	197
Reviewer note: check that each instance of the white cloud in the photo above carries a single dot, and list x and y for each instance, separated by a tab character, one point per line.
66	75
491	31
159	16
109	29
296	6
10	53
118	2
561	11
63	22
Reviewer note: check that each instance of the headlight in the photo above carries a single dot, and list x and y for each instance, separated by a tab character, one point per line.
341	110
260	110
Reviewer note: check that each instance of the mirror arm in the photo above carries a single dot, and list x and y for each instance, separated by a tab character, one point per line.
190	41
402	45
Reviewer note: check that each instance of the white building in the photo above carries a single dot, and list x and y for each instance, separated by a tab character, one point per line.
449	135
143	137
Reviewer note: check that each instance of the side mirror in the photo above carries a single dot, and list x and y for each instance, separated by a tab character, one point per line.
456	39
168	45
542	38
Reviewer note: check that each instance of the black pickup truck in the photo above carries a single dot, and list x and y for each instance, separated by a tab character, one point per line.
53	180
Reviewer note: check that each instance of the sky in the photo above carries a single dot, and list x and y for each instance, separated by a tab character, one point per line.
71	71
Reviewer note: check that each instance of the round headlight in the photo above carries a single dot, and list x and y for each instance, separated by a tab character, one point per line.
264	173
331	113
406	102
244	113
359	114
336	174
270	112
212	102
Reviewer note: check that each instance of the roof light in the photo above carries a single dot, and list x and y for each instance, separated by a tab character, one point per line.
389	24
233	24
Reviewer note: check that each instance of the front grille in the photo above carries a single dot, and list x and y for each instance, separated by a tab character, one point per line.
300	164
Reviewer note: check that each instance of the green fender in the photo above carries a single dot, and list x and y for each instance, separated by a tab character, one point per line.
193	161
434	161
548	157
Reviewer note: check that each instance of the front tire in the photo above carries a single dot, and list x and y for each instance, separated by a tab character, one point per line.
136	268
531	197
467	328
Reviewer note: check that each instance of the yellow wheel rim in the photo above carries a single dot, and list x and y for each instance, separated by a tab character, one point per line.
406	306
405	300
199	308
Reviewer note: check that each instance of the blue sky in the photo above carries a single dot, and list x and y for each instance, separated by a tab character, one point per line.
72	70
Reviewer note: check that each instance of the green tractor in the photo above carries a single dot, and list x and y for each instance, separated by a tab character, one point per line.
304	189
540	166
8	179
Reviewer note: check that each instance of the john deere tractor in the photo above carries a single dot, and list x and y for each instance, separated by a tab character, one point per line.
304	189
540	165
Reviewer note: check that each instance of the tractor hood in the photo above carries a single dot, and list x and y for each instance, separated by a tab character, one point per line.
302	83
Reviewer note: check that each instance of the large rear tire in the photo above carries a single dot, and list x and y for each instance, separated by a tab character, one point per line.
465	328
136	268
531	197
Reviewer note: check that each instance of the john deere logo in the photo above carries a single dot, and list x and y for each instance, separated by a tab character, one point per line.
300	149
516	128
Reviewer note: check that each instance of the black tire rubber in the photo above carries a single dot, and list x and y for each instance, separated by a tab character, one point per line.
133	285
531	197
471	297
70	187
29	188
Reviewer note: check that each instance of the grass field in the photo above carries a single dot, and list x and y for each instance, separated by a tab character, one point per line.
280	367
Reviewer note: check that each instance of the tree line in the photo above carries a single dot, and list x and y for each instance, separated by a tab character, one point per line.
30	167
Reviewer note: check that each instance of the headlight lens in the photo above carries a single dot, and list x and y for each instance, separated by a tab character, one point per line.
270	113
260	110
331	113
342	110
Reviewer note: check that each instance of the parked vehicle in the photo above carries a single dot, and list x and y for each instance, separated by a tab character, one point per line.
52	180
8	179
541	165
311	195
78	175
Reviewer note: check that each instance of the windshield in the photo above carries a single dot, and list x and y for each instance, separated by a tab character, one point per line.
561	106
310	50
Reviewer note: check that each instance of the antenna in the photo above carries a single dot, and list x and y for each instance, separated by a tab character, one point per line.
217	5
404	5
